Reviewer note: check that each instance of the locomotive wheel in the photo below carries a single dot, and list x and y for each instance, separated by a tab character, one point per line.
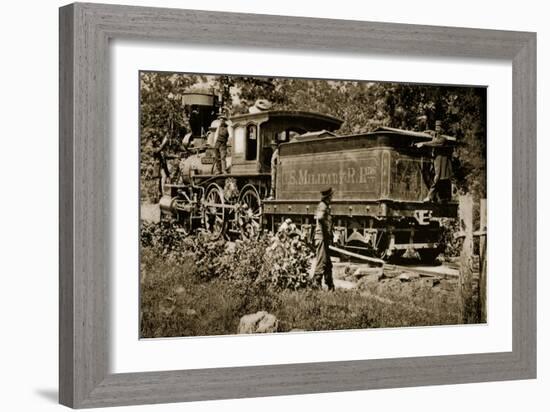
214	211
251	216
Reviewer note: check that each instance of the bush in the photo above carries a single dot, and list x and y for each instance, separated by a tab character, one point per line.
452	244
165	240
280	261
287	261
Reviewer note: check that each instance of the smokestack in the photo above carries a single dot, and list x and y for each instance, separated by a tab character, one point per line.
200	107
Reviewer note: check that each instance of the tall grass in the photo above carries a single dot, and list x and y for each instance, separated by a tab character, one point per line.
176	300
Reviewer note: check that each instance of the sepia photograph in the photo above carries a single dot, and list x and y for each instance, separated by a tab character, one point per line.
277	204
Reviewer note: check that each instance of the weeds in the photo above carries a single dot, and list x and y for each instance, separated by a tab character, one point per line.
195	287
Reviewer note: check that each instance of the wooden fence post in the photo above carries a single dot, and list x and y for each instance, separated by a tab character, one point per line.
483	260
467	310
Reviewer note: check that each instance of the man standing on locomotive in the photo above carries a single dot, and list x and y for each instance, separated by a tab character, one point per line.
220	146
274	166
441	186
323	239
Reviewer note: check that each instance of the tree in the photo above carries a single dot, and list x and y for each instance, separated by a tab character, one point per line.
462	111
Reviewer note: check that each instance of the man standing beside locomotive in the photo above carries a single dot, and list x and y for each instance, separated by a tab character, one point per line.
161	171
220	146
323	239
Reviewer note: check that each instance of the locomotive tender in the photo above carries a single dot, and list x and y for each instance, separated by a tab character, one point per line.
379	180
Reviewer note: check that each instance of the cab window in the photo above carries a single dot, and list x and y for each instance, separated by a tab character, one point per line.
251	141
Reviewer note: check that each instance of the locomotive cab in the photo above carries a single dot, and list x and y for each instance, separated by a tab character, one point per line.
253	134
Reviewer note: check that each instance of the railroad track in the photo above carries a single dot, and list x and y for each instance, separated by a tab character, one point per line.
449	270
443	271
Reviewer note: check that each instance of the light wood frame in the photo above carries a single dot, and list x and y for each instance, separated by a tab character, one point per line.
85	31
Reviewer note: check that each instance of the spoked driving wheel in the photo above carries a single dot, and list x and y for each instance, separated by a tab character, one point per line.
214	211
250	212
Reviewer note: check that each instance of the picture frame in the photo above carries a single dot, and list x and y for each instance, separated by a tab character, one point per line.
85	32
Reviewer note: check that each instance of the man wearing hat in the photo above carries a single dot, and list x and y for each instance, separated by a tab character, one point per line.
161	171
221	146
274	165
323	239
441	186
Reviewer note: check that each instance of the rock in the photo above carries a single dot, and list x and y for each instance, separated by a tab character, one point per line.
348	273
259	322
268	324
344	284
340	270
190	312
390	273
371	273
408	276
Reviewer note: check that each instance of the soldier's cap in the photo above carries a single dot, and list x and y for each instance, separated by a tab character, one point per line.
222	116
327	192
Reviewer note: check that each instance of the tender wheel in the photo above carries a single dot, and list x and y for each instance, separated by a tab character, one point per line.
429	256
214	211
250	212
396	255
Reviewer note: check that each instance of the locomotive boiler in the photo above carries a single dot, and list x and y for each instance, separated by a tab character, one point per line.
379	179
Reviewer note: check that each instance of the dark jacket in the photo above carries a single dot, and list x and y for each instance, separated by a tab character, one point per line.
323	227
442	167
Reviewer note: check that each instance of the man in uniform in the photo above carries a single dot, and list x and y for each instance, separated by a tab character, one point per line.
221	146
441	186
161	171
323	239
274	165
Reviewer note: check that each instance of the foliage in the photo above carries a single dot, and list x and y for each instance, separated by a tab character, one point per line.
287	259
453	244
161	115
462	111
164	238
280	261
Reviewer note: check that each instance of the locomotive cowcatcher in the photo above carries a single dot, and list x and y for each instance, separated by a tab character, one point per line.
379	180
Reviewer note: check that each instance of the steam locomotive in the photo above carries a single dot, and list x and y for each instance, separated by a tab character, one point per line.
379	180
